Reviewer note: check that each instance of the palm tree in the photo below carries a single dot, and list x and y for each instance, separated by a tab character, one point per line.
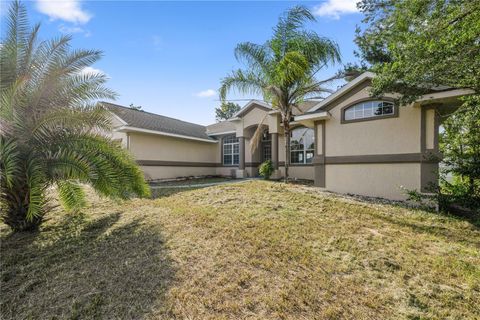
51	131
283	70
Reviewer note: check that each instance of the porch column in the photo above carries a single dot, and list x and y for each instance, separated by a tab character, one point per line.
319	158
274	142
241	162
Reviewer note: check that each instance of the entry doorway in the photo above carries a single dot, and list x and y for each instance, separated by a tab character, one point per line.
266	146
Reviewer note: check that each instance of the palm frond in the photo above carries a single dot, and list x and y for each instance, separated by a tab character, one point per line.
257	135
10	162
256	56
245	82
71	195
36	182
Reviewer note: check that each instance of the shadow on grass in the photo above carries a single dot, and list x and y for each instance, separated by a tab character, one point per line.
78	269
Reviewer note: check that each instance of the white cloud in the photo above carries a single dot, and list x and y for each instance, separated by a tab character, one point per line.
90	70
67	10
70	30
335	8
206	93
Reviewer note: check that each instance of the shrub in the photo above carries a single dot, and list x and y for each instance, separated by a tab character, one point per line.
266	169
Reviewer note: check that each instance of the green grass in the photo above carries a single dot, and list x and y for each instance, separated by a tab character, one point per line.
250	250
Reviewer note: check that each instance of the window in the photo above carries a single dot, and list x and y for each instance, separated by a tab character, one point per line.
302	145
231	150
266	146
369	109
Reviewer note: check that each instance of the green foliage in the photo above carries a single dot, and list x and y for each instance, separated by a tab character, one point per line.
460	145
414	45
266	169
51	129
226	111
283	70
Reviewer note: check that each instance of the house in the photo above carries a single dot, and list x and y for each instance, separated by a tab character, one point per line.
347	143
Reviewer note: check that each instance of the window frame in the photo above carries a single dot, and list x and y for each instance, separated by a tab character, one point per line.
232	153
305	150
343	110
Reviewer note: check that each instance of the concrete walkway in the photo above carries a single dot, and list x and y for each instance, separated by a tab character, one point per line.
200	185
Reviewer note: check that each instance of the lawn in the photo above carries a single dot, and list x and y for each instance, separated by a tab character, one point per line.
252	250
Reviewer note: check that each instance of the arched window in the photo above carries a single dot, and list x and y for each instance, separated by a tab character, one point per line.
369	110
231	150
302	145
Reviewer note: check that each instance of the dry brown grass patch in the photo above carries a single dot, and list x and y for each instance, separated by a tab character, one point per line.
239	251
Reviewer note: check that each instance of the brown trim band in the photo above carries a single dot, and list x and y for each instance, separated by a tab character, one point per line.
159	163
382	158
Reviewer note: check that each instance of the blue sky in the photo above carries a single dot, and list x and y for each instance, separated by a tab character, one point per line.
169	57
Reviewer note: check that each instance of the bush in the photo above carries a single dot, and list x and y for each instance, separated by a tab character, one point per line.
266	169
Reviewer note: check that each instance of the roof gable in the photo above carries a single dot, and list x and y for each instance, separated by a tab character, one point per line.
355	85
252	105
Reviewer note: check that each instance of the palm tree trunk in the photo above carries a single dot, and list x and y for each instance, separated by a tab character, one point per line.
14	212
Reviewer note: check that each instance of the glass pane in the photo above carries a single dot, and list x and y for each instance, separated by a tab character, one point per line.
296	157
387	108
378	109
236	159
368	110
295	145
309	155
230	139
349	114
227	149
236	148
227	159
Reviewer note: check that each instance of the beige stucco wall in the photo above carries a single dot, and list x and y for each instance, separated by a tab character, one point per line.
226	171
254	117
301	172
115	135
381	136
429	128
377	180
162	148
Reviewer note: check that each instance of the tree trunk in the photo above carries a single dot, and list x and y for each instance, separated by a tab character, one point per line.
15	209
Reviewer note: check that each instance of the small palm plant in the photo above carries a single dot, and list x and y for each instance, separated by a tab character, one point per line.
51	131
284	69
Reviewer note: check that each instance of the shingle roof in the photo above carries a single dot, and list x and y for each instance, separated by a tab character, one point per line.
220	127
152	121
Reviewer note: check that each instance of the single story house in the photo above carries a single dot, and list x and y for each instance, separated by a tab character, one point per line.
347	143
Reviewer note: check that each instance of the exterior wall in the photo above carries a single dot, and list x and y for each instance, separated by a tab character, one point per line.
164	157
376	157
377	180
381	136
163	148
254	117
226	171
301	172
